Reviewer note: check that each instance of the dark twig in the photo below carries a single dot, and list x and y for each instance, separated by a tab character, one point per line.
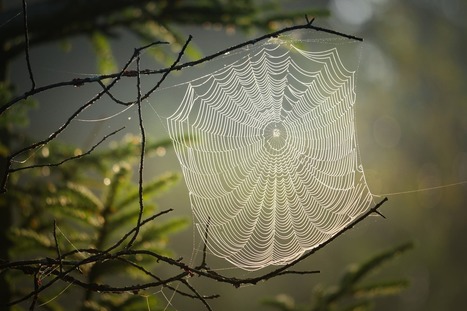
141	126
70	158
380	214
132	231
111	95
201	298
36	295
170	69
57	247
143	147
203	264
53	135
32	262
308	20
152	275
60	276
26	38
300	272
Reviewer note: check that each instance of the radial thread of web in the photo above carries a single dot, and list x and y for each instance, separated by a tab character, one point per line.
271	162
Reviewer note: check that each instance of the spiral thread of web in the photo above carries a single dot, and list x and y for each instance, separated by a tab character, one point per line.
271	162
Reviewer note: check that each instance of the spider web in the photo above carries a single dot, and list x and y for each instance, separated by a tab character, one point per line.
268	149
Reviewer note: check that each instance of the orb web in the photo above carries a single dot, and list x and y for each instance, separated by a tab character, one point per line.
271	160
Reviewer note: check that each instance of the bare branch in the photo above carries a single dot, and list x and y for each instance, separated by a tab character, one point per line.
36	295
143	147
26	39
169	70
148	273
113	97
142	223
201	298
57	247
203	264
141	126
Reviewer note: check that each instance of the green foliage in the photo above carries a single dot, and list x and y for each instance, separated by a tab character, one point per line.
93	207
13	119
106	63
350	294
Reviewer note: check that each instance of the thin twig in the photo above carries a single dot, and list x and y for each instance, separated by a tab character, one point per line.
143	147
141	126
34	262
70	158
147	220
201	298
299	272
113	97
170	69
36	295
150	274
203	264
26	38
57	247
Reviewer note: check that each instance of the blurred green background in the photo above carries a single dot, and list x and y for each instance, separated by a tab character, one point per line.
412	131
